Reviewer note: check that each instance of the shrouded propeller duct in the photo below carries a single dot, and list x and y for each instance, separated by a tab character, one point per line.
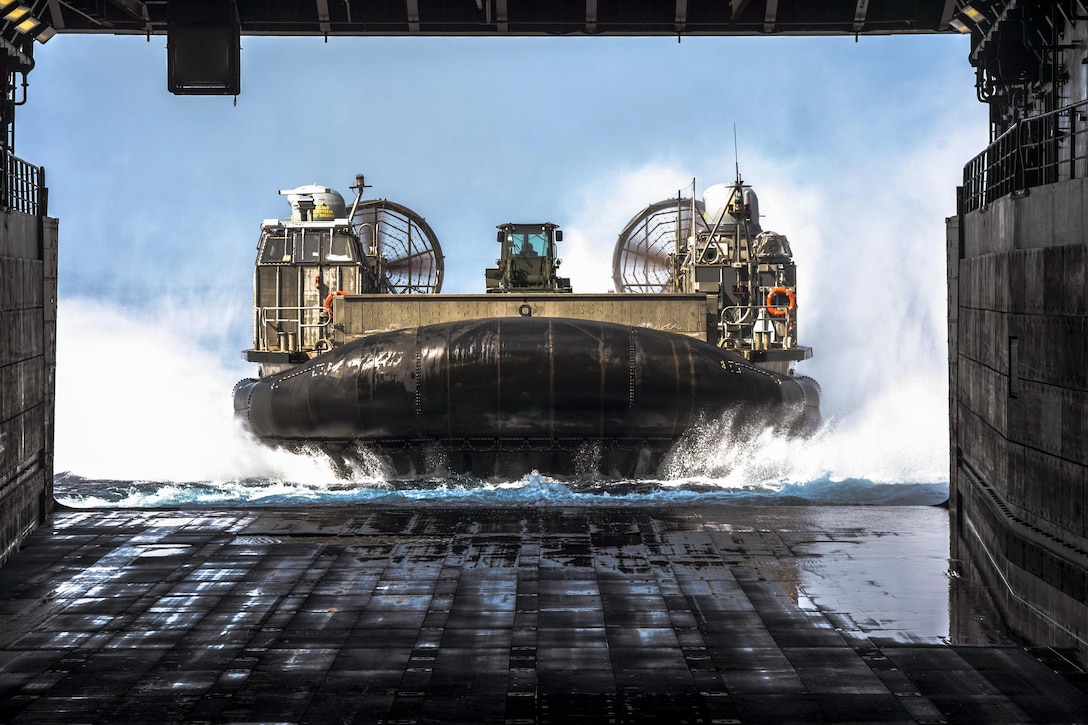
645	255
413	258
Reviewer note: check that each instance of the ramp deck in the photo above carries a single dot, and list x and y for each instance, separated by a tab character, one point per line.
510	615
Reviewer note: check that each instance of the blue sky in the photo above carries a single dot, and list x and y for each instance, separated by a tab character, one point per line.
855	149
469	132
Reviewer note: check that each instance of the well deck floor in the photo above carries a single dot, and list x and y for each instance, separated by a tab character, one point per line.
469	615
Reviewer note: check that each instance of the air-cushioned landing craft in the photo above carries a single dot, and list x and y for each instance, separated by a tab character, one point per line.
358	348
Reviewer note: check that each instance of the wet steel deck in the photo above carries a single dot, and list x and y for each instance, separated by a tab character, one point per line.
368	614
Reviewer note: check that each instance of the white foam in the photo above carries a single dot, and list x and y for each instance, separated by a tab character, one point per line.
872	304
140	398
892	439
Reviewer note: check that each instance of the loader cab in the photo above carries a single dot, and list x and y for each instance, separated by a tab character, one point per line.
527	261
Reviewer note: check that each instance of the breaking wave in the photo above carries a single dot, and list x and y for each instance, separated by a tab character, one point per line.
533	489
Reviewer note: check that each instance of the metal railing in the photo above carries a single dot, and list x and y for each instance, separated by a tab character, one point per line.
22	185
741	320
1045	149
274	320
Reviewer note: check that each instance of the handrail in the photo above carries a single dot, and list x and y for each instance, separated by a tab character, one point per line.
740	316
22	185
299	319
1044	149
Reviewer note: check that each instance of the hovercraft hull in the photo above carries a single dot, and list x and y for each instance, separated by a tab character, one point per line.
522	390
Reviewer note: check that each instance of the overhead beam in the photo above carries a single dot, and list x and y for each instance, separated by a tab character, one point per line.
946	14
56	15
860	11
681	15
413	16
502	17
323	16
134	8
770	18
591	16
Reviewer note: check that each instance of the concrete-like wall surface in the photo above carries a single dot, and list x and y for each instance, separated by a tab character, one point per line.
28	352
1018	331
355	315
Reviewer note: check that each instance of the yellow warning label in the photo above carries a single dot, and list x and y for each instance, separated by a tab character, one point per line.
322	211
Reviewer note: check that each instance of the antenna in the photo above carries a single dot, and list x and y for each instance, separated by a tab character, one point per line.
736	154
360	186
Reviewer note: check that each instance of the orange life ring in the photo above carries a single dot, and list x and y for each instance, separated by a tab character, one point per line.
329	299
775	310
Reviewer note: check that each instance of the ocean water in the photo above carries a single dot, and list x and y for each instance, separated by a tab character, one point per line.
533	489
154	427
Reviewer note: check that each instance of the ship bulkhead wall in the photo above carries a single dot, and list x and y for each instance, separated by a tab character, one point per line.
1018	331
28	360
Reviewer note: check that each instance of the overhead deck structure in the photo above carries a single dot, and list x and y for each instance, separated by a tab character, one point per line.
514	17
203	49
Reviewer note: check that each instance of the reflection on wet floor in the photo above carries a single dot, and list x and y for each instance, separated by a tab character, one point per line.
473	615
880	582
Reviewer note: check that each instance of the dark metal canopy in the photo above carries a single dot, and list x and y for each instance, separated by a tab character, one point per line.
203	36
514	17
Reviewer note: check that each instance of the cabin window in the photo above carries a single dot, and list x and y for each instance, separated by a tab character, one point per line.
275	251
340	249
527	244
310	245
